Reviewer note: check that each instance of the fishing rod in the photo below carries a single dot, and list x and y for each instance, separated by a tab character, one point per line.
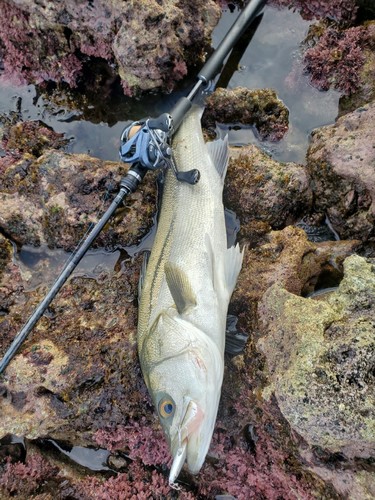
145	145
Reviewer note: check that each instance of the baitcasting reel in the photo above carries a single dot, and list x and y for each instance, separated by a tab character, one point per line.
148	143
145	145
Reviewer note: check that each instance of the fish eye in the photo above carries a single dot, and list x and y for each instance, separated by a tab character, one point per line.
166	408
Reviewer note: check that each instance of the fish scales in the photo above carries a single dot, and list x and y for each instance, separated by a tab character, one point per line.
187	214
184	298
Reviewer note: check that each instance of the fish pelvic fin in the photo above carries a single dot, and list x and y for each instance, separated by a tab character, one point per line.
180	287
218	151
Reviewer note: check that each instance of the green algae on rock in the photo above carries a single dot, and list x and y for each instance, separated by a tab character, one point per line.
5	253
77	371
288	259
320	356
31	136
259	107
264	193
53	199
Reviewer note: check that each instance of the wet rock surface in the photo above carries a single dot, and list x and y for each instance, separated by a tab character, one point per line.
265	194
54	198
295	417
260	108
338	10
340	160
146	44
286	257
77	379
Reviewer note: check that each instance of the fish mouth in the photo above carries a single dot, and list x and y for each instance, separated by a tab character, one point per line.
189	426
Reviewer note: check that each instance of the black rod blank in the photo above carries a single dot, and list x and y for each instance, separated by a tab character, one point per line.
136	173
216	61
67	271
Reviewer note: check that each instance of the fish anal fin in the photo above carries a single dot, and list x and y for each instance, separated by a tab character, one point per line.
180	287
218	151
224	271
233	263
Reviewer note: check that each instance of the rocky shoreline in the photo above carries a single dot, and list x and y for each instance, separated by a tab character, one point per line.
296	414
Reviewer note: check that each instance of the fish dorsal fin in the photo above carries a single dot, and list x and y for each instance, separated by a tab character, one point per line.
218	151
180	287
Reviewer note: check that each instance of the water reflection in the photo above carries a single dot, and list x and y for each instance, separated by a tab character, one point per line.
41	265
273	59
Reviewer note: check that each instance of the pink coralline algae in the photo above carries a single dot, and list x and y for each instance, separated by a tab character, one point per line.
23	66
338	10
336	59
148	45
8	160
22	480
139	440
246	474
134	485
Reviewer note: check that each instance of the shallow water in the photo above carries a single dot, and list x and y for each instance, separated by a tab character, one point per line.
272	59
42	265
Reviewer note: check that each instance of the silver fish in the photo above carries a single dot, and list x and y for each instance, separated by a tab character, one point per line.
184	299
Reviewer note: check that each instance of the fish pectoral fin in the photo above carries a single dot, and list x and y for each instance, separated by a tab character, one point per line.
218	150
180	287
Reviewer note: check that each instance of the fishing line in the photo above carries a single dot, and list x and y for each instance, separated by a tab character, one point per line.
142	150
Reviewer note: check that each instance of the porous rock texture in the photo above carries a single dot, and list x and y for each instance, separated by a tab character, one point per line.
148	44
320	356
258	107
341	162
338	10
76	379
286	257
51	198
264	193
